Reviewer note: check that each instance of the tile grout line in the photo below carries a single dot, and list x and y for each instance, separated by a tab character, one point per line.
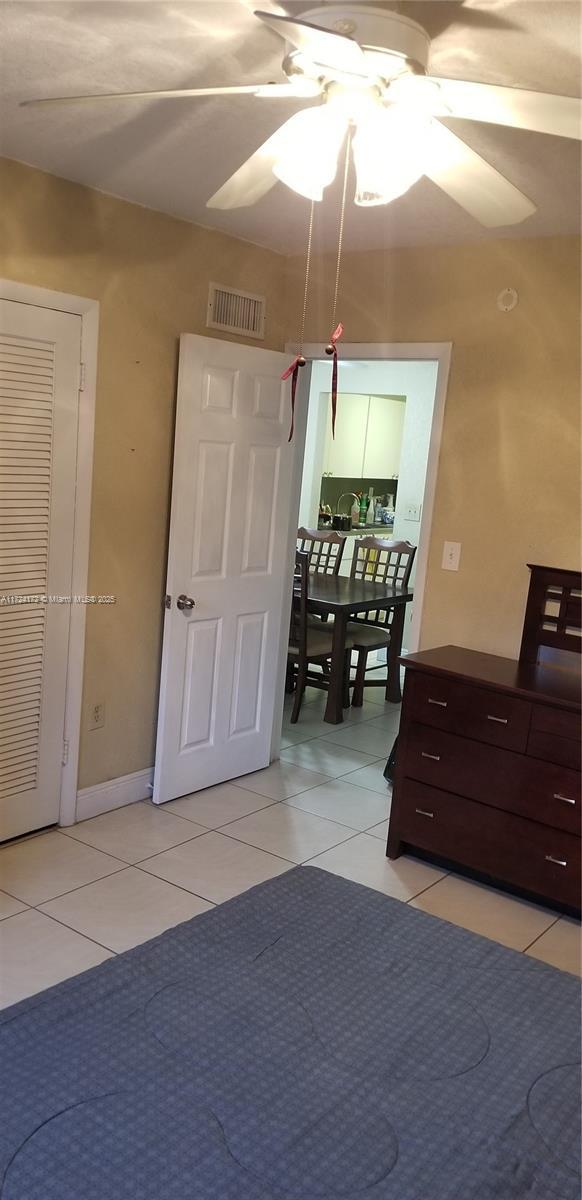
58	921
131	864
542	934
122	867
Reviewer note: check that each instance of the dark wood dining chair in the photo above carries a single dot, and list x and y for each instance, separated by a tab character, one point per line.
324	549
308	643
379	561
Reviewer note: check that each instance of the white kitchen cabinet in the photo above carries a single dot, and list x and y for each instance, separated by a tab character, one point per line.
344	454
368	437
384	437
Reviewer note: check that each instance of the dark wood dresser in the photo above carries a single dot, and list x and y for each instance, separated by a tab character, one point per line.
488	770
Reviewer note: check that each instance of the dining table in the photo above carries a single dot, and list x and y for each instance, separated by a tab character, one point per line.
344	597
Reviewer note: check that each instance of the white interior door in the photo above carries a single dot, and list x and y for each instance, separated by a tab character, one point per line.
228	552
40	353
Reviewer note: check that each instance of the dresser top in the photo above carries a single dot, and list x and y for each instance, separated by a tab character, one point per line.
554	684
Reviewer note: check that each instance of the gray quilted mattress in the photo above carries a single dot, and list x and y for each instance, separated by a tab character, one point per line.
309	1039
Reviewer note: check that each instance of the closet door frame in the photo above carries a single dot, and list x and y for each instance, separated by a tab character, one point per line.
88	310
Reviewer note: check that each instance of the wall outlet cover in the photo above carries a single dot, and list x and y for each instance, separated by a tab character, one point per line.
97	715
451	556
412	512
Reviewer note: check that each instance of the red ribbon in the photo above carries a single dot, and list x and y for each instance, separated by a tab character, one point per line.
336	335
292	372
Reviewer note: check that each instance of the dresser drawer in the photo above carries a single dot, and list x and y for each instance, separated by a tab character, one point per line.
507	847
487	716
555	720
554	749
516	783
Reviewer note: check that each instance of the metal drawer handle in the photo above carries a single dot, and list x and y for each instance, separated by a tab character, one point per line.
566	799
423	813
435	757
500	720
441	703
560	862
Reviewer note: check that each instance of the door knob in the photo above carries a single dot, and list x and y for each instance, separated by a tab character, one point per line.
185	603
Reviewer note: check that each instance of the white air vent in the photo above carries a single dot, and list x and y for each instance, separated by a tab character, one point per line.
235	312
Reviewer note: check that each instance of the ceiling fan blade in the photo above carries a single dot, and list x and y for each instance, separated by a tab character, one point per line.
517	107
472	182
255	178
322	46
289	91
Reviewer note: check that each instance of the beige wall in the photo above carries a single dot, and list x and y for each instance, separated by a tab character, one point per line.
150	274
508	485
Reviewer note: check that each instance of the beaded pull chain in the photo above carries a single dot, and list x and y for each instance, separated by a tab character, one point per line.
337	329
299	361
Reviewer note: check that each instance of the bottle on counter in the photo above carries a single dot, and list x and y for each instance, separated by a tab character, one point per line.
355	513
363	508
371	513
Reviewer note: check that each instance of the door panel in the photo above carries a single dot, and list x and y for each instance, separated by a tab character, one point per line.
39	379
228	552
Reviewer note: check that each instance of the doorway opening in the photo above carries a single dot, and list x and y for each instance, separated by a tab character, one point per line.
378	474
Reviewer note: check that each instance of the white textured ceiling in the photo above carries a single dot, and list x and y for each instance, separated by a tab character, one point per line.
172	155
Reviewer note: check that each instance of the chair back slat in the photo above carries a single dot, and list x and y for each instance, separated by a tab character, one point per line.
553	617
381	561
298	620
324	549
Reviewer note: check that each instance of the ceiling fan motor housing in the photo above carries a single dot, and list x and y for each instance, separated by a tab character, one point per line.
381	34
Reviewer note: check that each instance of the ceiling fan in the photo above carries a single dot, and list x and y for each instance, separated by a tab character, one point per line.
368	69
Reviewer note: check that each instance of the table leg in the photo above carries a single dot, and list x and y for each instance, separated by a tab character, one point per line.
393	693
334	707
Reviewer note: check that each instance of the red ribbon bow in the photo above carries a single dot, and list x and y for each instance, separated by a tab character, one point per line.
335	337
293	371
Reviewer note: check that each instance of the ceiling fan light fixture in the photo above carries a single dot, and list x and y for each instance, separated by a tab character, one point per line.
389	156
308	154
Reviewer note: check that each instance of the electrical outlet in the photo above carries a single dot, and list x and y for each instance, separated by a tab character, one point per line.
411	512
97	715
451	556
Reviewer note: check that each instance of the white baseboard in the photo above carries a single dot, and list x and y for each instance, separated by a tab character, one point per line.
115	793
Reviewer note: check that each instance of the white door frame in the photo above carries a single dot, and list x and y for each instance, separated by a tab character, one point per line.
88	310
439	352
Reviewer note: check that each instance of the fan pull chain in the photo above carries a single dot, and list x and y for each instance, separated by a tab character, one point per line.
338	329
299	361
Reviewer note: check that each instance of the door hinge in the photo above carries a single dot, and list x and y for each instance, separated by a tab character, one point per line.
65	757
82	377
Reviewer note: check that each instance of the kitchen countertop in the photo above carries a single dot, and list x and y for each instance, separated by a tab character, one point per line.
376	530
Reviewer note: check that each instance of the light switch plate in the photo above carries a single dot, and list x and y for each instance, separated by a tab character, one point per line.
451	556
412	512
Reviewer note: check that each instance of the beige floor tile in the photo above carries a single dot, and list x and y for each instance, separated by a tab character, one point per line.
125	909
486	911
363	859
281	780
290	736
341	801
371	777
287	831
326	757
216	805
561	946
390	721
380	831
317	706
366	737
134	832
36	953
215	867
9	906
46	866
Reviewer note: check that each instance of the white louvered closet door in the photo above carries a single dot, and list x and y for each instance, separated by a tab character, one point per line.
39	396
